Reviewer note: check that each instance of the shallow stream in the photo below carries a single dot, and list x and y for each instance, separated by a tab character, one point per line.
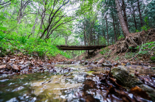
63	84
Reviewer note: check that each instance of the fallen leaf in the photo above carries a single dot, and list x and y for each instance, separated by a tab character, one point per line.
101	61
123	64
2	66
139	92
15	67
8	66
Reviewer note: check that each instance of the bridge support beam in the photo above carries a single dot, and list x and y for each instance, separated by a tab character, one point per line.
91	53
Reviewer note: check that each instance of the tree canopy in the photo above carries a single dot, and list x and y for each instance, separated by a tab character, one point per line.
88	22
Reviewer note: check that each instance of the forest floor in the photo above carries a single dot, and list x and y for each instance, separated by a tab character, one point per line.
106	76
132	55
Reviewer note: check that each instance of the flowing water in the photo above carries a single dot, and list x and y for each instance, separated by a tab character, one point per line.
63	83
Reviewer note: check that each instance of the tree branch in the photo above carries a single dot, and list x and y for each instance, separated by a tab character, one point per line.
5	3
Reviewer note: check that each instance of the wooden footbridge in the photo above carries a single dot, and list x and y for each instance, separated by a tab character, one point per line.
65	47
94	48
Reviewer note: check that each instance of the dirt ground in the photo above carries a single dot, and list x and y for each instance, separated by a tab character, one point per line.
127	56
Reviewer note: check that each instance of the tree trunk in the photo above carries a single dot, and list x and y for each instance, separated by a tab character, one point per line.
21	10
121	19
84	35
115	35
66	40
98	39
118	29
134	18
107	29
113	40
124	11
132	11
140	16
42	18
103	26
33	28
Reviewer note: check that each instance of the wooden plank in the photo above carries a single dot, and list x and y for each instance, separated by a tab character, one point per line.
64	47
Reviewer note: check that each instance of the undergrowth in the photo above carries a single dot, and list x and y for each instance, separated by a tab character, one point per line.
11	43
147	48
104	50
129	55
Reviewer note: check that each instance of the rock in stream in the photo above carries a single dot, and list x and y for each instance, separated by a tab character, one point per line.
126	79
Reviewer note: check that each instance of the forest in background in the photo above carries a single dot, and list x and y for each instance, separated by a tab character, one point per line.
35	27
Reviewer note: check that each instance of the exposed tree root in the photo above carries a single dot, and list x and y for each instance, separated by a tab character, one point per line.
132	41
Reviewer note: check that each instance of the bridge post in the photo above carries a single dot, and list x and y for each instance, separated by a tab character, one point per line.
91	53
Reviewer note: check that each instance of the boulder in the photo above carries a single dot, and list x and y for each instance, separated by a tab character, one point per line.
126	79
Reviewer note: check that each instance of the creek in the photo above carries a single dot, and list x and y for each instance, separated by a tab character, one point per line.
65	82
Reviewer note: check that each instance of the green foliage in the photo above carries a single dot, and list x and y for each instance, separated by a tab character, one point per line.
153	58
137	30
117	58
14	36
146	48
102	40
2	36
104	50
146	27
90	28
120	37
150	12
22	39
30	46
129	55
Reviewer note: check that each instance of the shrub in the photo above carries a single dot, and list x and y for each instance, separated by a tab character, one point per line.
146	27
120	37
104	50
28	46
146	48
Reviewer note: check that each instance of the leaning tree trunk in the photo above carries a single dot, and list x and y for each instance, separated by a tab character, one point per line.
124	10
121	19
131	40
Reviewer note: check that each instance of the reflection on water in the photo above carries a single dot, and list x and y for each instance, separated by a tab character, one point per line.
62	85
58	86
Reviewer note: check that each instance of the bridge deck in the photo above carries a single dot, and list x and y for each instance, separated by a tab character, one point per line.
65	47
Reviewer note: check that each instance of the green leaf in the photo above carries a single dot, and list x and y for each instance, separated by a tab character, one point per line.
2	28
1	32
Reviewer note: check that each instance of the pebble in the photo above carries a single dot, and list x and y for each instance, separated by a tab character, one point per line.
106	65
